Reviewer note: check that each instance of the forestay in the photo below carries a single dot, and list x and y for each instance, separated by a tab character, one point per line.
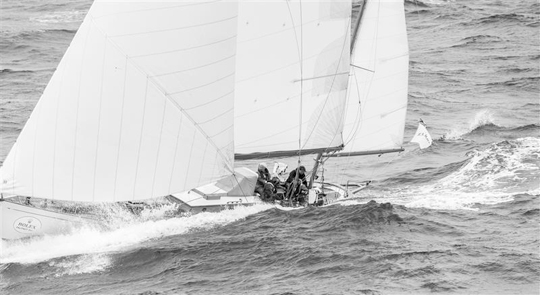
378	85
140	106
292	74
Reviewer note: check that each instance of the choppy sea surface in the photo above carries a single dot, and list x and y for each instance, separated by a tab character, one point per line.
464	214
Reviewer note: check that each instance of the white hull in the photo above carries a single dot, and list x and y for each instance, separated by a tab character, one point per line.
22	221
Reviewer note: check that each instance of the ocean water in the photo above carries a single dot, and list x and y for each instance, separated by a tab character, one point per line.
463	215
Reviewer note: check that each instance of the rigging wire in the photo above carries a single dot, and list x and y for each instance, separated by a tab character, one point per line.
301	87
300	48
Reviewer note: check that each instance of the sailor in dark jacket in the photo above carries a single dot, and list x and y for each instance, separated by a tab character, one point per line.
299	188
264	187
301	175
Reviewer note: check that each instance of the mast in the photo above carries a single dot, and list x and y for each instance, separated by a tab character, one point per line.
357	25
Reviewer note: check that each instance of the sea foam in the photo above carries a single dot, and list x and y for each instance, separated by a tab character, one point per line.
490	176
92	241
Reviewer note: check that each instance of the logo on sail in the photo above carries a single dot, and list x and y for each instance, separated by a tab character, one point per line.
27	224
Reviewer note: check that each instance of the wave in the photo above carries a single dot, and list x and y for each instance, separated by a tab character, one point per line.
482	118
421	176
517	70
505	18
506	132
528	83
523	205
19	40
36	34
478	39
530	127
532	106
12	71
418	12
57	17
484	124
416	3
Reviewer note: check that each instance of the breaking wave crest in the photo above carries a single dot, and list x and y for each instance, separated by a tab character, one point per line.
61	17
482	118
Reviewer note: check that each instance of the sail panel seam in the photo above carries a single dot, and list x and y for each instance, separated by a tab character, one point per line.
168	97
99	118
176	151
185	49
209	102
78	109
159	145
203	85
195	68
121	125
175	29
143	120
216	117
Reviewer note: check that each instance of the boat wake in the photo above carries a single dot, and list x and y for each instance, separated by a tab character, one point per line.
87	249
491	175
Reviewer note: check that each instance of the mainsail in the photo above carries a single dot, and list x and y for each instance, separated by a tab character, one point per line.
140	106
292	72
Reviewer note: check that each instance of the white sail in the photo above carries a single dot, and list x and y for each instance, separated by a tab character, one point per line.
139	107
422	136
292	73
378	84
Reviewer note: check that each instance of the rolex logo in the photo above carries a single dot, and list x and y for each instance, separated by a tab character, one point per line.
27	225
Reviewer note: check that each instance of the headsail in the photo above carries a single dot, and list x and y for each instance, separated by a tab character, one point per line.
140	106
378	83
422	136
292	73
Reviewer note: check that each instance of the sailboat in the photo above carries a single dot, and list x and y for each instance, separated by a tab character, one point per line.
138	110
